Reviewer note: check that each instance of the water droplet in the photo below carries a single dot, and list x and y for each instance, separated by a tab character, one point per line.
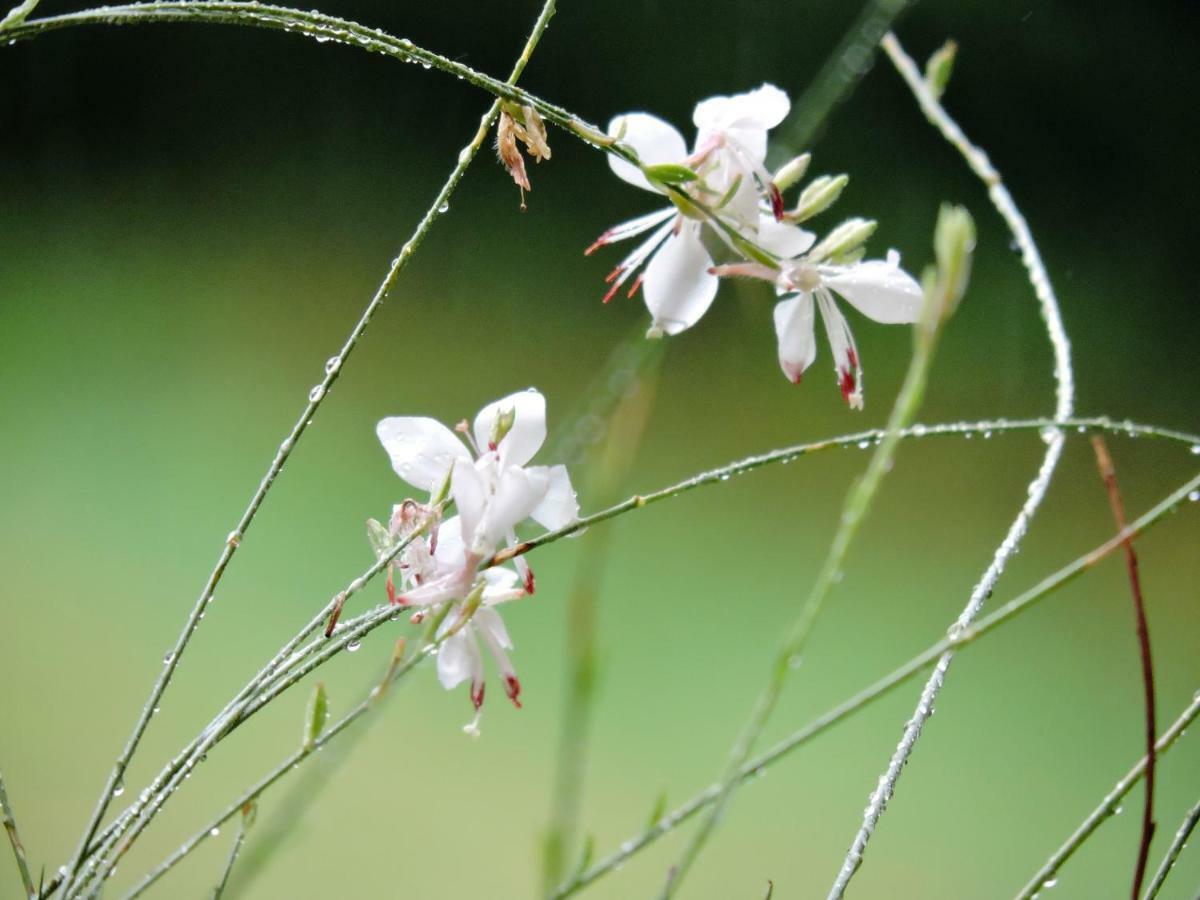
444	208
118	788
1117	810
1194	496
1195	449
919	431
167	657
1049	882
333	364
234	538
316	393
214	832
863	445
352	646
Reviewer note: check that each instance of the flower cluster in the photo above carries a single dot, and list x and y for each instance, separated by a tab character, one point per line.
494	490
725	202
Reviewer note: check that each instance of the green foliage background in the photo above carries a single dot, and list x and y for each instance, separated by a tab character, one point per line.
191	218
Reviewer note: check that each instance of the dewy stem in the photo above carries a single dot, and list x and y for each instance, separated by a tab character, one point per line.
901	675
9	821
1064	382
1177	844
332	370
939	296
1108	806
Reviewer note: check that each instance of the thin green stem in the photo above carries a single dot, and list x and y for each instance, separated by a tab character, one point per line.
1177	844
253	792
863	439
1064	381
1108	806
609	464
332	369
238	840
18	14
901	675
854	511
14	838
848	63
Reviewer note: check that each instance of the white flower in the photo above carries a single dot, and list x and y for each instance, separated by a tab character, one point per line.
727	160
877	288
494	491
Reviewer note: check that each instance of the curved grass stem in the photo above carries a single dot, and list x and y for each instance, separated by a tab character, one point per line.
1064	381
901	675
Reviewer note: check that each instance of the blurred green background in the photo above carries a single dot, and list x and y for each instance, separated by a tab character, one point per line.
192	218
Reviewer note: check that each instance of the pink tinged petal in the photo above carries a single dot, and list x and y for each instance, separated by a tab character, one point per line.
528	431
421	449
629	229
783	239
678	287
560	507
762	108
845	355
880	290
496	642
450	554
654	141
797	341
491	628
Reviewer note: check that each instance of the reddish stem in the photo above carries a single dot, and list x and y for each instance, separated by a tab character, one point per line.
1109	474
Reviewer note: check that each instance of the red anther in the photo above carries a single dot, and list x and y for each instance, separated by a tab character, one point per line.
512	687
777	203
477	694
492	446
528	580
637	283
391	590
614	274
612	292
601	241
417	618
852	356
847	385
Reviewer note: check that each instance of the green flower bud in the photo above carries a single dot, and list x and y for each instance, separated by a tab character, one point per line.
939	67
843	240
314	718
820	194
791	174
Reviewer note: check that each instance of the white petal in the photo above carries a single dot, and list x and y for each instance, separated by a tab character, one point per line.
528	430
654	140
470	498
763	108
450	552
782	238
517	495
794	328
880	290
491	628
845	354
560	507
678	286
458	658
421	449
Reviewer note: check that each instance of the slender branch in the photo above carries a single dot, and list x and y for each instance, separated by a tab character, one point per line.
1177	845
1169	504
1108	806
332	370
863	439
1064	381
14	838
848	63
18	14
628	409
291	762
1109	475
943	291
248	813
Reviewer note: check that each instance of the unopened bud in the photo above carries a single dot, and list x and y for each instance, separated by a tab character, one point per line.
820	194
314	719
501	426
939	68
844	240
791	173
669	173
953	247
